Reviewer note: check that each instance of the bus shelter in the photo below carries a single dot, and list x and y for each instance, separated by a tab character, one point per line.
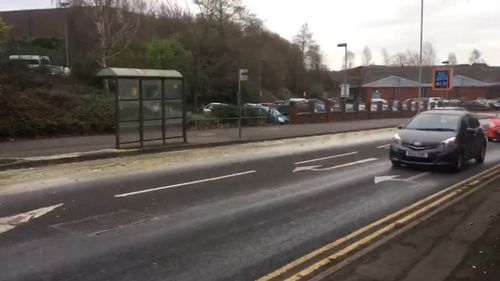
149	105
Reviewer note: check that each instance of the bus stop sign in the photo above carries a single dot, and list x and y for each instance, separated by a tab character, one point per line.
442	79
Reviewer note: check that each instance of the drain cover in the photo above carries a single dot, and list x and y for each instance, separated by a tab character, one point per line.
104	223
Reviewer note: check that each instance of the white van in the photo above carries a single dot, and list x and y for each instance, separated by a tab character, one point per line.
33	61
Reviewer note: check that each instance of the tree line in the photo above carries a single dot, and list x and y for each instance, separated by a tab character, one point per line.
208	46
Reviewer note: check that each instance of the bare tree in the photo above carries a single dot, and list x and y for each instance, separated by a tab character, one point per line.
116	23
399	59
350	59
452	59
220	12
303	39
313	57
429	55
386	57
476	57
367	56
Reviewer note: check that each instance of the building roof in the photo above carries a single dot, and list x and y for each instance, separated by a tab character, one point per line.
400	82
359	76
392	82
463	81
136	72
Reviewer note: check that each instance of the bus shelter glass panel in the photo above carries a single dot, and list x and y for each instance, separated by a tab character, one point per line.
129	132
152	109
128	110
153	130
173	89
173	128
173	109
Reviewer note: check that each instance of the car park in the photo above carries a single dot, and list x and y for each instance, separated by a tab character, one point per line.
439	138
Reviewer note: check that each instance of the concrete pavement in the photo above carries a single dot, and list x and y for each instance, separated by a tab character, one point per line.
237	218
54	146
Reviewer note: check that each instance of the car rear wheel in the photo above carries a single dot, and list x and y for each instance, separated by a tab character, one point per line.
482	155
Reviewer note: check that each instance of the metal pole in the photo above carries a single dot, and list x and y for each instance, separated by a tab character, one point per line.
345	65
260	77
239	105
420	57
66	35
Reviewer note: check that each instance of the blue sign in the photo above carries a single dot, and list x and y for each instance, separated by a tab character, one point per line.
441	79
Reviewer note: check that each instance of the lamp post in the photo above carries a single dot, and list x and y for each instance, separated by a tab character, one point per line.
447	63
344	45
65	5
420	56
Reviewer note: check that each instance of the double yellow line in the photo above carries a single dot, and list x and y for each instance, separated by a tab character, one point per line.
315	262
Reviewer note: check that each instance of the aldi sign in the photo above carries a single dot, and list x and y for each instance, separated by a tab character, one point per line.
442	79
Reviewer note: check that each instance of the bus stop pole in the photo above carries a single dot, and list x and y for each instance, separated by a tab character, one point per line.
239	105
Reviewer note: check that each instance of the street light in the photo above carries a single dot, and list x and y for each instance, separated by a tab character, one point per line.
344	45
64	4
420	57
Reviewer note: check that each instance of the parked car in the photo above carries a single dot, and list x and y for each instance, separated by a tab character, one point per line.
491	103
284	109
474	105
376	101
439	138
273	115
209	107
493	131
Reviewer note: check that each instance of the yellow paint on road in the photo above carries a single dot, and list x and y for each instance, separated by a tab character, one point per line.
411	212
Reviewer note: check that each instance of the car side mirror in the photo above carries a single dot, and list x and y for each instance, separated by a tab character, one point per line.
470	131
400	127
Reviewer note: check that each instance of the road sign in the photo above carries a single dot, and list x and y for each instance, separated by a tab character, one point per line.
243	74
344	90
442	79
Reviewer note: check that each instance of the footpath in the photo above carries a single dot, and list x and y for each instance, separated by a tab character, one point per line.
50	148
461	243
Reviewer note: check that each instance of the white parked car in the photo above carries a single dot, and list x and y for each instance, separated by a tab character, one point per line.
209	107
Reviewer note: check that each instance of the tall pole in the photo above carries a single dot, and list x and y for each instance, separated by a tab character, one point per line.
260	77
239	105
420	57
345	65
66	35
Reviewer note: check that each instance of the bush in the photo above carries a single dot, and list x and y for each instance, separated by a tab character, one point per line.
52	109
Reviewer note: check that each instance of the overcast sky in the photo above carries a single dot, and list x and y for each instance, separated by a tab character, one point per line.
450	25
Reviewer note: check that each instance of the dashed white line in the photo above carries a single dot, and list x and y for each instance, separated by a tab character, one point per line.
418	176
318	169
184	184
325	158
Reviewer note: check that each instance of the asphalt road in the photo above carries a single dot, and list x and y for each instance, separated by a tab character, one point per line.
224	222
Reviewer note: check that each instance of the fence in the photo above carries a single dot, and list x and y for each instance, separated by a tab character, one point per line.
300	114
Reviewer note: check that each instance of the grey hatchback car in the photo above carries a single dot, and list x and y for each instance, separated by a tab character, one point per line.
439	138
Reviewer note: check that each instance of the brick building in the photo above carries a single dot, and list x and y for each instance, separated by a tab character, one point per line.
395	82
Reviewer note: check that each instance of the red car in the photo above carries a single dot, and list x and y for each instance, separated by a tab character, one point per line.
494	128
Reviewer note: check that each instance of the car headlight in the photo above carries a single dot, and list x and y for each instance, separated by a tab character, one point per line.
396	139
448	142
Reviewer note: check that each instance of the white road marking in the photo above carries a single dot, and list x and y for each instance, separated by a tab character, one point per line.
380	179
385	146
418	176
325	158
317	169
8	223
184	184
385	178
